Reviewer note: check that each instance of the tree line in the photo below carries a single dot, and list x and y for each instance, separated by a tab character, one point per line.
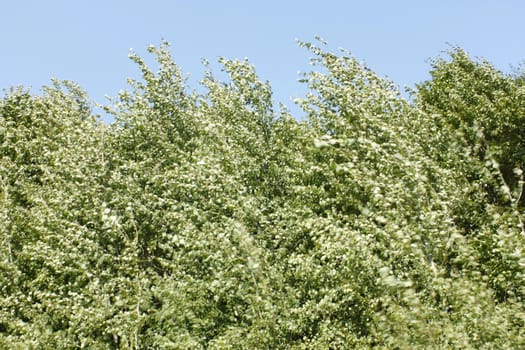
218	220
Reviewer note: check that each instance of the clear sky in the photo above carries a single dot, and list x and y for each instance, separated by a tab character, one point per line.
88	40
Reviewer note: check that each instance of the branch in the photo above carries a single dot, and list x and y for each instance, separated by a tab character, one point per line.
521	182
505	186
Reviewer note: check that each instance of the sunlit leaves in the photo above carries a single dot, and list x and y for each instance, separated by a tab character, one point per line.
210	220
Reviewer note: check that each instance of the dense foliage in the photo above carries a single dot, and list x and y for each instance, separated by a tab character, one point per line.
212	220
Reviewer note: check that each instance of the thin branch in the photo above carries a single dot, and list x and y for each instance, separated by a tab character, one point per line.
521	182
505	186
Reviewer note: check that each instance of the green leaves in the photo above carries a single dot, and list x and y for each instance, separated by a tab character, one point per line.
211	220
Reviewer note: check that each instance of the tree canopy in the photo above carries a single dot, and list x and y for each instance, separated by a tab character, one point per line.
216	220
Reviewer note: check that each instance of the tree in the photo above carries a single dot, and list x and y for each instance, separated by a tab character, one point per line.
214	220
480	112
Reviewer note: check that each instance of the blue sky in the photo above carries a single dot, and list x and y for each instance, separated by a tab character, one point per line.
88	40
